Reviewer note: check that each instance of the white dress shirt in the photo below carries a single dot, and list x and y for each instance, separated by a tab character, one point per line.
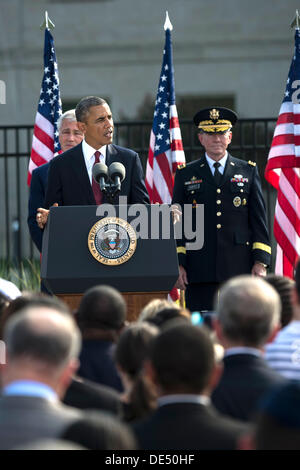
89	156
183	398
242	350
222	162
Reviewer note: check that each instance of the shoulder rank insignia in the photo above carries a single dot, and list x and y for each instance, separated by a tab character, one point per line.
251	163
181	166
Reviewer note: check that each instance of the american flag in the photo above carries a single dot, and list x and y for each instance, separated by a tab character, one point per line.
165	149
45	141
282	171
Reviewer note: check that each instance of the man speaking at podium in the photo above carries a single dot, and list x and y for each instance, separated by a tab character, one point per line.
70	180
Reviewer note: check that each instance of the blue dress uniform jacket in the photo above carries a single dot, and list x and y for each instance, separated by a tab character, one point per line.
235	228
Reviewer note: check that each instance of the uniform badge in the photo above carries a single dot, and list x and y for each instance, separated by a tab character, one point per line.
193	185
214	114
244	202
237	201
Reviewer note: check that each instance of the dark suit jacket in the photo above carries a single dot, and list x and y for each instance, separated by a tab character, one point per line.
97	363
187	426
69	184
246	378
85	394
235	227
36	200
25	419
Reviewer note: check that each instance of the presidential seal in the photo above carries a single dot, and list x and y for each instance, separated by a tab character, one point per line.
112	241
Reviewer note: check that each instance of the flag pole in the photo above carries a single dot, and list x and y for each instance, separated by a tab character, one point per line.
296	21
168	24
47	23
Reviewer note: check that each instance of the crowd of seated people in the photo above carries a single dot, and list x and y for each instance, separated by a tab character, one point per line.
91	380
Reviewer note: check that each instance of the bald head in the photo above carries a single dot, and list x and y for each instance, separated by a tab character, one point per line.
43	334
248	310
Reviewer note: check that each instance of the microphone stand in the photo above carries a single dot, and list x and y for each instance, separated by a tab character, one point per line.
111	189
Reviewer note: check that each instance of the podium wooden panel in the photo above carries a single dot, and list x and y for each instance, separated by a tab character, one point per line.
135	301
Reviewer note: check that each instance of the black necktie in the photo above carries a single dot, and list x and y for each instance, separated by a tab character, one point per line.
217	174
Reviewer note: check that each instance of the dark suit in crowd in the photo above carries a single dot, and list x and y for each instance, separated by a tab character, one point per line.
188	426
28	418
84	394
97	363
246	379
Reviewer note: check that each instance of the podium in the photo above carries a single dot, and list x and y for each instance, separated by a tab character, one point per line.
69	255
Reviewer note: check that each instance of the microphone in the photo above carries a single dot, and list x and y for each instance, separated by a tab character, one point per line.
100	175
117	174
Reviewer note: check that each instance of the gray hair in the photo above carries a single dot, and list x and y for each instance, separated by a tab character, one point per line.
69	115
44	334
248	310
84	105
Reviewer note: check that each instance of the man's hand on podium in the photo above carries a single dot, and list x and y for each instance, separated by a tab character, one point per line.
42	216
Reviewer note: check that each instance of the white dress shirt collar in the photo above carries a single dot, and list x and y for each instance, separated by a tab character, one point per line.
222	162
242	350
183	398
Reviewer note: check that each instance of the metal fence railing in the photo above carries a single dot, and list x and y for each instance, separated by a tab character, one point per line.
251	141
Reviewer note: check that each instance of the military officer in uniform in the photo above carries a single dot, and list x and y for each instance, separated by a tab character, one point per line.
236	238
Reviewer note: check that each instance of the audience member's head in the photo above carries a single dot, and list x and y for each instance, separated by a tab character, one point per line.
28	299
42	344
101	432
163	316
152	307
102	310
132	350
182	360
278	421
283	285
133	347
248	312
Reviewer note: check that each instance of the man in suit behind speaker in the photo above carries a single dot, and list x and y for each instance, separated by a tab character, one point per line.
69	136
